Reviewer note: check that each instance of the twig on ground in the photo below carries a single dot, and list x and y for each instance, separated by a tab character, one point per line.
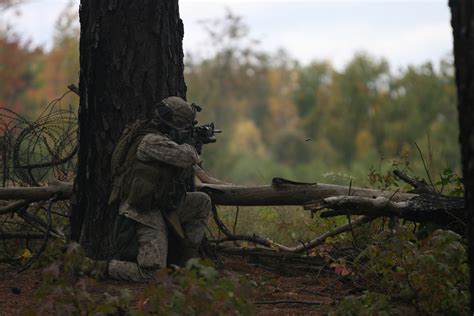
279	247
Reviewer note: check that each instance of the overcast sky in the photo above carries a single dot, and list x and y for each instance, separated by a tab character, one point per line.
404	32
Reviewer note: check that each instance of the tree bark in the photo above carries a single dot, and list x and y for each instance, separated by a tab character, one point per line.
462	21
131	57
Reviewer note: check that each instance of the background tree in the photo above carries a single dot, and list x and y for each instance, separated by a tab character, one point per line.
19	65
462	21
130	57
269	104
60	65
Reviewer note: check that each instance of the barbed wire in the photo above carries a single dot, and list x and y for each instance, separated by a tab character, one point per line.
34	151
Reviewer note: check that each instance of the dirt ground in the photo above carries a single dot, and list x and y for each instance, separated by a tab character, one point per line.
282	288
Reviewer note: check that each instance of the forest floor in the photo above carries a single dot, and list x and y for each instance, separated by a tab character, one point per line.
282	288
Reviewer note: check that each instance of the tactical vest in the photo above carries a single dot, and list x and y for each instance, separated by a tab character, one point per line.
150	186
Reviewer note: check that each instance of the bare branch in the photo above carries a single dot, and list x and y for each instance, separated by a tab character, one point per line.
74	88
40	224
425	166
420	186
269	244
14	206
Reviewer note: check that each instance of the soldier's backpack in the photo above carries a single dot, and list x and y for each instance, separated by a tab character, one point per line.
118	161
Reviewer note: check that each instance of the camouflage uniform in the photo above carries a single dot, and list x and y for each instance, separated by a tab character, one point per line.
152	228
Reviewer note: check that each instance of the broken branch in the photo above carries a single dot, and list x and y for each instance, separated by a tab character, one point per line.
12	207
448	212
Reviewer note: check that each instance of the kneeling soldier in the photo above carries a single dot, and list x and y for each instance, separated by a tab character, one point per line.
152	172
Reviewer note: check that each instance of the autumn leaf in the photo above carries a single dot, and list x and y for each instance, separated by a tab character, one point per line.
341	269
25	254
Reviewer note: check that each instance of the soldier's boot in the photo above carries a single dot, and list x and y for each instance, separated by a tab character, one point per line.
188	252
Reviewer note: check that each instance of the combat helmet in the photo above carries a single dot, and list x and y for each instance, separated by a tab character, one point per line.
176	113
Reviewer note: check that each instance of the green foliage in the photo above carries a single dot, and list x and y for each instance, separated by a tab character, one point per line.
385	179
450	180
430	275
282	224
19	69
346	119
369	304
194	290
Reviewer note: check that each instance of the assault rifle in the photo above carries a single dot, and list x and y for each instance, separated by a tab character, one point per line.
205	134
197	136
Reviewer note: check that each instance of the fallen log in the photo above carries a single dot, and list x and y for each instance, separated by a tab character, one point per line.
280	192
425	206
62	190
290	193
447	212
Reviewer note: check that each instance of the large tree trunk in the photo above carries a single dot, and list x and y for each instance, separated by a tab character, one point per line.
462	21
131	57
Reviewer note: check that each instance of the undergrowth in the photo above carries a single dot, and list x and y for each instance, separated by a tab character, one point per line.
429	275
197	289
404	274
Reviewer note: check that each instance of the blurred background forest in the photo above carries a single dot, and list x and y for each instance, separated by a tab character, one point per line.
308	122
